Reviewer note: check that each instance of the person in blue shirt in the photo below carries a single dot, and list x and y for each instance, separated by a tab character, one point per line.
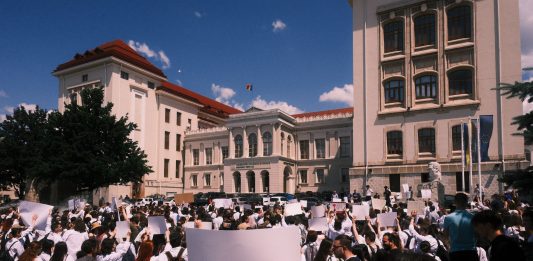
458	226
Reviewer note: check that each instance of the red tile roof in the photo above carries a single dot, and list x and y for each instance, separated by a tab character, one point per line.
210	106
118	49
322	113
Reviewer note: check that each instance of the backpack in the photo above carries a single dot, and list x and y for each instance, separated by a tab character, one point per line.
310	251
5	256
129	256
441	252
178	257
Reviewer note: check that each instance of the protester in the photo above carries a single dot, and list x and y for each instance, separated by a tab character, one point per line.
458	225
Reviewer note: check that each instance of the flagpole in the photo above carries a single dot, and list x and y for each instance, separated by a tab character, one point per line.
470	167
479	154
463	156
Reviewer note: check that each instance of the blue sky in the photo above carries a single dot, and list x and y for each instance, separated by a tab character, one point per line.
297	54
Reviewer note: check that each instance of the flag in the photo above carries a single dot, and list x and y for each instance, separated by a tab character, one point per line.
485	133
249	87
466	147
473	131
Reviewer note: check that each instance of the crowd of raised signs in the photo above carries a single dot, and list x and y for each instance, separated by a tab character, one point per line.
496	228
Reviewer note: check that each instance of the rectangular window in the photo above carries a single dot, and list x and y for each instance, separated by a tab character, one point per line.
151	85
189	124
426	140
207	179
319	179
456	138
84	78
393	36
225	152
165	168
195	157
178	142
167	115
320	145
167	140
208	156
345	175
459	181
178	118
345	147
124	75
394	143
394	183
303	176
178	163
194	181
73	98
304	149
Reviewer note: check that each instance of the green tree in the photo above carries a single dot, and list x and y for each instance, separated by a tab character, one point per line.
21	148
90	148
521	179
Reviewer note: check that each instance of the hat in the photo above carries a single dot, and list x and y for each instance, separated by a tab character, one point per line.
95	225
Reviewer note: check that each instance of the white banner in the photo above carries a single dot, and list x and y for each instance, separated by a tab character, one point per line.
28	209
258	244
360	212
417	206
122	229
293	209
426	193
318	211
157	225
223	203
318	224
387	219
378	203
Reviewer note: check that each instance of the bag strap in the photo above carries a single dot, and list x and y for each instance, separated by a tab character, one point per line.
180	253
169	256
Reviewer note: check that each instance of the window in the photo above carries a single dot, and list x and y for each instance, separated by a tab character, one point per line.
344	175
165	168
207	180
124	75
426	86
459	22
194	180
393	36
208	156
425	30
320	145
167	115
178	118
456	138
196	157
178	163
303	176
394	143
460	82
319	179
252	145
151	85
394	182
84	78
267	144
178	142
459	181
345	147
394	91
73	98
167	140
238	146
304	149
424	177
225	152
426	140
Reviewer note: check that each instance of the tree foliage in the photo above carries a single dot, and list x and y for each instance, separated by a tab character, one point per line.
85	145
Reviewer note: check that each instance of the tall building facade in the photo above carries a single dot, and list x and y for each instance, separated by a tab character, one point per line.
421	68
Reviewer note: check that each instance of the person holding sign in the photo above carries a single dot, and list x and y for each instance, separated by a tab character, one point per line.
342	248
368	193
423	235
15	246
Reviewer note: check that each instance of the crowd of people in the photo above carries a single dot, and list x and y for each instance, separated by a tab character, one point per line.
496	228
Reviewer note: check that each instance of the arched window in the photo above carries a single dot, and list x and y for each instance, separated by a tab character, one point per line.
460	22
394	91
394	143
238	146
426	86
252	145
267	144
425	30
393	36
456	138
426	140
460	82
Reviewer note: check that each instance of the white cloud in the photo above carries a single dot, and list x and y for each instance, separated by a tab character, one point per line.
526	31
198	14
10	109
3	94
278	25
260	103
145	50
339	94
223	94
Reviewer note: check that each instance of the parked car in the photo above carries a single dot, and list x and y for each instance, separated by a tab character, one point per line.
143	202
312	201
278	199
239	200
286	195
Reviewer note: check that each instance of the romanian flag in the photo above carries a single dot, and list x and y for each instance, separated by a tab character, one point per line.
249	87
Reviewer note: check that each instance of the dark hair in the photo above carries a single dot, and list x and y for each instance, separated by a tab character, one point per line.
107	246
461	199
31	252
47	245
60	251
175	239
311	236
488	217
87	247
344	240
79	226
324	250
394	238
425	247
370	236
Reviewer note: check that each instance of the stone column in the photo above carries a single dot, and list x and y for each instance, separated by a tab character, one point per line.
259	141
231	145
244	143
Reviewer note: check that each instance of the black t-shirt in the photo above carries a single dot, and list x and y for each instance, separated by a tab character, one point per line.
505	248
